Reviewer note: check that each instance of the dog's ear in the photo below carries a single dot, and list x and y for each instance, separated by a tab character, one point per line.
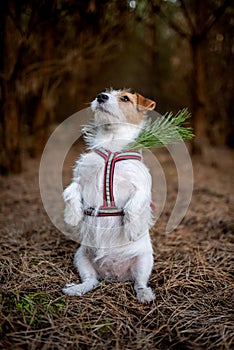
144	104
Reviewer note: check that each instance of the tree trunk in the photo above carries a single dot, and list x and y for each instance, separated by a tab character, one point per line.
151	51
10	153
39	129
199	102
198	96
42	110
10	117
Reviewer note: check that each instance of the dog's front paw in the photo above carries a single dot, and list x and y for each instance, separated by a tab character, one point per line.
73	289
72	214
129	226
145	295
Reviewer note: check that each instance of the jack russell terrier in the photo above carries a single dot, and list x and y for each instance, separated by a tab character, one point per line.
109	199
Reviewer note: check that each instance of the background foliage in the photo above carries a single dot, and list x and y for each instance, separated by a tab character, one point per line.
56	55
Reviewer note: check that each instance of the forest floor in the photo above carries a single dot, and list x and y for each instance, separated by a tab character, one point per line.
193	275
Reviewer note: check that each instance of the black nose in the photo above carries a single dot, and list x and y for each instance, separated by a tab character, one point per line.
101	98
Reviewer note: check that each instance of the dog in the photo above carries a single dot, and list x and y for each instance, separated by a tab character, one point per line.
109	199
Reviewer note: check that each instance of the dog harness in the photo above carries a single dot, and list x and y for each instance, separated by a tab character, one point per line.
109	207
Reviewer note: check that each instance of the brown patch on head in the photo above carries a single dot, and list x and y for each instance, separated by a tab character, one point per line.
134	106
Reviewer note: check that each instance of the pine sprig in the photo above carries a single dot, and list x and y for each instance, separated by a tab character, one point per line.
163	131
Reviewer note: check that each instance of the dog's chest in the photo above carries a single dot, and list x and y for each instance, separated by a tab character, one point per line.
91	178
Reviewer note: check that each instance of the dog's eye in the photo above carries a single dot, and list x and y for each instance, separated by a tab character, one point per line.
124	98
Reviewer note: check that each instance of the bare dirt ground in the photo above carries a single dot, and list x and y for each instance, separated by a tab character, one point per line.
193	275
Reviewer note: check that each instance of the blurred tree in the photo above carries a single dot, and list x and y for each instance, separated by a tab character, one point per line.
220	80
194	20
56	55
22	23
43	43
163	66
10	114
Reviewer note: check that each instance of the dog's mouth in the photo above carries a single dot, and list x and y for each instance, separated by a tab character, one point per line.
104	114
102	107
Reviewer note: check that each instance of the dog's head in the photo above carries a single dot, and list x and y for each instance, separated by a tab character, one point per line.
120	106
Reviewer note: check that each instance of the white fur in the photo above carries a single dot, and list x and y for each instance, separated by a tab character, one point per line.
115	248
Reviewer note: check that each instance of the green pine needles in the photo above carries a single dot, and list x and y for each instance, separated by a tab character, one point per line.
163	131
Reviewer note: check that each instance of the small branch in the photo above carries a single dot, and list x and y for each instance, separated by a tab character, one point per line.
216	15
175	27
187	16
172	24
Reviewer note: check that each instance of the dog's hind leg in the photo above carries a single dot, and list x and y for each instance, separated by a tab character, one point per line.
141	273
87	273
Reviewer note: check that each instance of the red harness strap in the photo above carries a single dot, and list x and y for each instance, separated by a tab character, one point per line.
109	208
